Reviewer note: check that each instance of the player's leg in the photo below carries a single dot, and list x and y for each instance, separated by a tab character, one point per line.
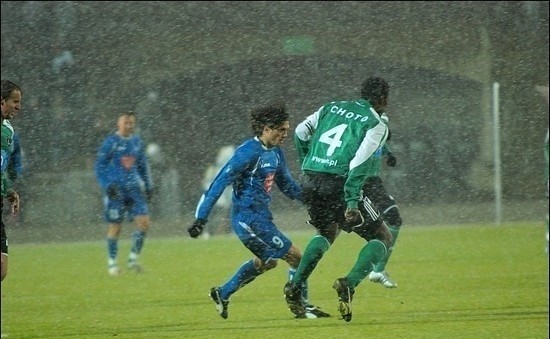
113	234
244	275
322	194
323	198
139	211
138	239
257	233
303	308
379	273
379	239
113	215
376	192
295	290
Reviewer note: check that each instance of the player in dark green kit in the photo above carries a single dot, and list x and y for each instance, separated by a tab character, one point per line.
336	145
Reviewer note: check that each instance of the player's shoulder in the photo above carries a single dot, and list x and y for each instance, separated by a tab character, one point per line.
137	140
250	148
249	144
7	126
111	138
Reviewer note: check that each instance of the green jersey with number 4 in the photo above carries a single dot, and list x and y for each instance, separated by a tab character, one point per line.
340	139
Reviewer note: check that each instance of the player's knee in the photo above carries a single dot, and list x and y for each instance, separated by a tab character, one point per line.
265	266
327	230
293	257
392	216
385	236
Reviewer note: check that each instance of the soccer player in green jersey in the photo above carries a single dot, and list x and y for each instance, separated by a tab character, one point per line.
11	104
336	145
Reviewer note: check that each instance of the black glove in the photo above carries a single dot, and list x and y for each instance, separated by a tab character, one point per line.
391	160
353	217
196	229
113	192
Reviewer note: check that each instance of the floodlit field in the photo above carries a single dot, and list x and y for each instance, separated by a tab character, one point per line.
467	281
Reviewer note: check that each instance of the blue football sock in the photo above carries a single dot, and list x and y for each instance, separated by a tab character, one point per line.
244	275
138	237
112	248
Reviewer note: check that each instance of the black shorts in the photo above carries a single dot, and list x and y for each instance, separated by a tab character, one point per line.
323	195
375	190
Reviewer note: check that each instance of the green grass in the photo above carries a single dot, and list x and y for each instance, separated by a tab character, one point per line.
467	281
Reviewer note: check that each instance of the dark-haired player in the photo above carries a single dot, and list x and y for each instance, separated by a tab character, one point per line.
257	165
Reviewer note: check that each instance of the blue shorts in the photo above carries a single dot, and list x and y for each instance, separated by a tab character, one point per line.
131	203
259	234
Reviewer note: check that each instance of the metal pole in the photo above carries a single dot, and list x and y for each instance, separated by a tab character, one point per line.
497	161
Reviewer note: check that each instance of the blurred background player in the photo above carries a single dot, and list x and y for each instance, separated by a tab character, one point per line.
257	165
375	190
220	213
122	172
11	105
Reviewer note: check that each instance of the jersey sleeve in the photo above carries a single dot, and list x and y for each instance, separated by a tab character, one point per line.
15	167
143	168
303	133
103	159
6	144
358	168
225	177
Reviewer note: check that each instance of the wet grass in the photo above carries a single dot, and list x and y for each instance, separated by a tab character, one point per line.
467	281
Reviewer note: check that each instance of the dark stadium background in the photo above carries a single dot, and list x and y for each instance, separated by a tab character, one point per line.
193	70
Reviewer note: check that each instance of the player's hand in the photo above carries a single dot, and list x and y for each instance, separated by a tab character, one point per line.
13	200
391	160
353	217
196	229
113	192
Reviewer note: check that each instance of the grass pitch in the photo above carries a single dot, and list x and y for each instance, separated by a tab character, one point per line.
467	281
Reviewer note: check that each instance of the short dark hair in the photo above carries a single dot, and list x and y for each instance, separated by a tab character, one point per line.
8	88
127	113
375	90
271	115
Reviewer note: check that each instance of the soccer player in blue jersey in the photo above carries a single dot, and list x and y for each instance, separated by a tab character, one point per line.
122	172
257	164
